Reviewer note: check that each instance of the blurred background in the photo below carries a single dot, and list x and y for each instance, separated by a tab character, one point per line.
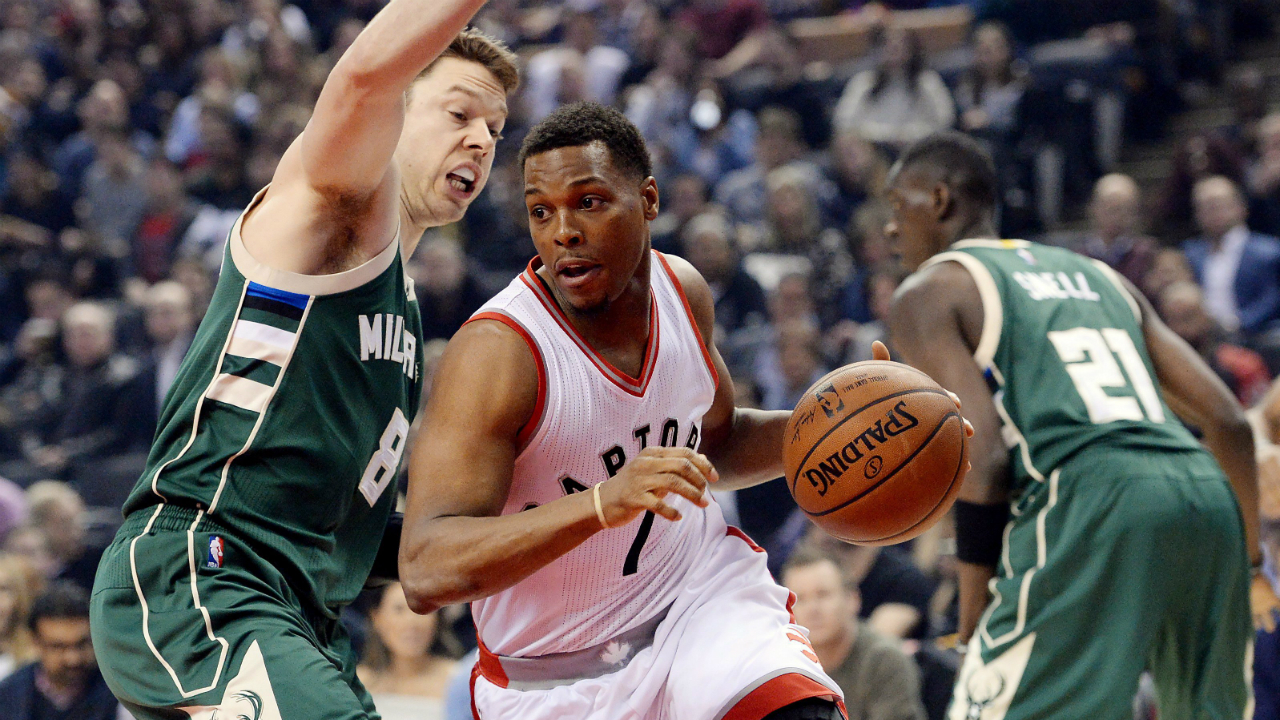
133	132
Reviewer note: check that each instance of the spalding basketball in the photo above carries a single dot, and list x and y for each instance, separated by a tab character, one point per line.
875	452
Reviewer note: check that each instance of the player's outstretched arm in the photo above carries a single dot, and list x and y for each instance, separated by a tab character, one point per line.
935	323
744	444
346	148
456	545
1196	393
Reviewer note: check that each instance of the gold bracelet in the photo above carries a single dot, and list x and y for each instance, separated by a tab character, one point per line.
595	494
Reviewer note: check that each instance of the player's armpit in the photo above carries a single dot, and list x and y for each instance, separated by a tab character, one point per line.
456	547
744	444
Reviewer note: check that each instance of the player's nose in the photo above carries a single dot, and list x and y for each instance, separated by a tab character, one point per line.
479	138
567	233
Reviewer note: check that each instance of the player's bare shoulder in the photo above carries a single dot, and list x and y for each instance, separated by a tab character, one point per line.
489	375
940	292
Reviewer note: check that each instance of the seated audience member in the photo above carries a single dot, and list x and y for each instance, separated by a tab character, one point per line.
1243	370
170	328
684	198
402	666
94	410
16	648
858	170
600	66
1115	232
722	25
13	508
31	387
165	219
879	682
1263	177
63	683
851	341
29	543
1238	269
447	291
709	246
989	95
1199	157
900	101
793	364
744	193
58	512
1168	267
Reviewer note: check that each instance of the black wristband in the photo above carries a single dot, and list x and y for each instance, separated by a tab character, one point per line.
386	564
980	532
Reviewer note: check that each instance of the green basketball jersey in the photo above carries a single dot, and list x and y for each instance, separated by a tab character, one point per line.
286	423
1062	347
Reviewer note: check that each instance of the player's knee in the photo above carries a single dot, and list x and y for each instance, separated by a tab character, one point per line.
809	709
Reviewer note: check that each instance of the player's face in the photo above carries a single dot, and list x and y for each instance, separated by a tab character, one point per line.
452	122
589	221
915	222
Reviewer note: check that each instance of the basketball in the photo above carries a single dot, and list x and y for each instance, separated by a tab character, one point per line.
875	452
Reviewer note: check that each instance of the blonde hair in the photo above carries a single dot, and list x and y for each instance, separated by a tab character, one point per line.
492	54
15	638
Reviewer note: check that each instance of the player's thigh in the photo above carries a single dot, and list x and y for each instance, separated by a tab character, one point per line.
1201	658
741	649
1075	609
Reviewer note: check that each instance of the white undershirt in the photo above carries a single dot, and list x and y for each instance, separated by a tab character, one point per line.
1220	270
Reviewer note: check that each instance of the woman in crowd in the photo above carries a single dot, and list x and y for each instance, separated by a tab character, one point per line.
898	102
405	660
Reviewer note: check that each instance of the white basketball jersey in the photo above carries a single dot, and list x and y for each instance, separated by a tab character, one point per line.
592	419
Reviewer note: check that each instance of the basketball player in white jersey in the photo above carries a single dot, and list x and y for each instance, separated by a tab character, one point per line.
575	407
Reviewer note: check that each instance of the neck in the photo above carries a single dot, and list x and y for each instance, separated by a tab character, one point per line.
832	653
977	229
404	667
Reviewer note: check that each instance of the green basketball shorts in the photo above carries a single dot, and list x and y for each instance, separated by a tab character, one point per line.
1114	564
188	622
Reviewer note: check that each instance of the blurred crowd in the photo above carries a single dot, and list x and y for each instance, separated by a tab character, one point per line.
133	132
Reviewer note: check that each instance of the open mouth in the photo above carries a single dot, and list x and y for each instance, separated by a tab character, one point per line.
463	179
577	272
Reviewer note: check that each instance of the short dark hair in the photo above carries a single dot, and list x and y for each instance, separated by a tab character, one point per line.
806	554
62	600
475	46
583	123
960	162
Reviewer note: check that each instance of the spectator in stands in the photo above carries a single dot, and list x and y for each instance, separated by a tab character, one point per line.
64	683
167	215
744	192
94	409
1263	177
1169	266
739	300
114	195
600	68
879	682
1238	269
103	111
723	25
851	341
57	511
31	385
1201	156
32	196
170	327
29	543
13	508
220	179
794	364
1115	233
990	93
898	102
858	170
16	648
448	292
1243	370
222	84
404	660
683	199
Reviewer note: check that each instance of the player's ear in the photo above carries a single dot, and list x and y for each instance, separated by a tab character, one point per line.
649	197
943	201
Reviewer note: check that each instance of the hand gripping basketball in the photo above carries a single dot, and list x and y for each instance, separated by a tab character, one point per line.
655	473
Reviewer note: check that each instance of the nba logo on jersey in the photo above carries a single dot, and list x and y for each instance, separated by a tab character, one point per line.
215	552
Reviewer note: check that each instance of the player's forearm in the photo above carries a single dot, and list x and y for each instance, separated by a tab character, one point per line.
751	453
401	40
457	559
973	582
1232	444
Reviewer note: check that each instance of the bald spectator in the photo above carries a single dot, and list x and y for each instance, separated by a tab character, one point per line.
1238	269
878	680
1243	370
1115	233
91	414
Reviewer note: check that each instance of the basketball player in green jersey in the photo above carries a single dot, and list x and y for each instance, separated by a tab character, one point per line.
271	479
1115	541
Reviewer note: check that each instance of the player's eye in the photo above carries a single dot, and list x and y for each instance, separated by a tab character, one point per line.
538	213
460	117
591	202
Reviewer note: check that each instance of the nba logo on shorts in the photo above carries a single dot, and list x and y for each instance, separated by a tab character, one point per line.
215	552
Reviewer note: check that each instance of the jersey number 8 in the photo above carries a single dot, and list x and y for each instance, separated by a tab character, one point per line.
382	466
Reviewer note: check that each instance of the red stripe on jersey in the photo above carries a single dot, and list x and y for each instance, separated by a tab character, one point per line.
702	342
475	673
779	693
526	431
490	668
634	386
738	533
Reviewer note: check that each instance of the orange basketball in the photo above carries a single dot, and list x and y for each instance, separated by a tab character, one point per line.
875	452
